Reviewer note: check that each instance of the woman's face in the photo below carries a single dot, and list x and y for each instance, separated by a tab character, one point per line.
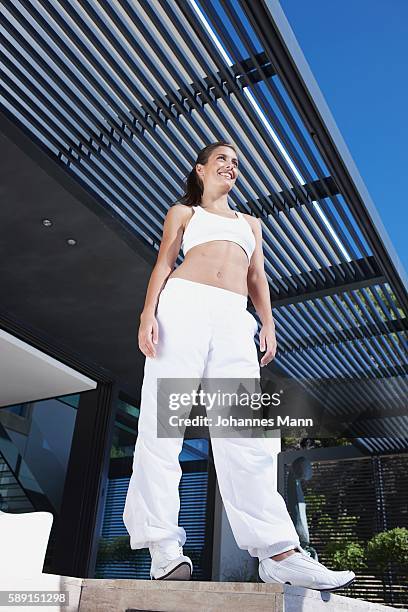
221	169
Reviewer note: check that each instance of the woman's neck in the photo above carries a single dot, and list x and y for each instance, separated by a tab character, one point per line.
217	205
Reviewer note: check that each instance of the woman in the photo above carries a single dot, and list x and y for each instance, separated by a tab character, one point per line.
203	329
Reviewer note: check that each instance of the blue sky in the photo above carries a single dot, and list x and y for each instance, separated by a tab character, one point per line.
358	53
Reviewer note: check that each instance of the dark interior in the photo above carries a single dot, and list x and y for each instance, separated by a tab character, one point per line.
87	297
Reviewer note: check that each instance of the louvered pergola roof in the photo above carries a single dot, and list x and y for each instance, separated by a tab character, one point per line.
124	94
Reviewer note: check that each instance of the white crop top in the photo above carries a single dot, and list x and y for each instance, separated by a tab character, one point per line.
205	226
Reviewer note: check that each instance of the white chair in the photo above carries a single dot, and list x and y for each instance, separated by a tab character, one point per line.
23	543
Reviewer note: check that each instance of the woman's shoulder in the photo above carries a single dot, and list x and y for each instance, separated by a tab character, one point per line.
253	221
181	209
179	214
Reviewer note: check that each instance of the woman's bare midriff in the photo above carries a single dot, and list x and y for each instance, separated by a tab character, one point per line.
221	263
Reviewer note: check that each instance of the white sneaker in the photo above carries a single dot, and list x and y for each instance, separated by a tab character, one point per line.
299	569
169	563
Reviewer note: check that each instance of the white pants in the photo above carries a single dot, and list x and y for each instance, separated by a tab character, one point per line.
205	331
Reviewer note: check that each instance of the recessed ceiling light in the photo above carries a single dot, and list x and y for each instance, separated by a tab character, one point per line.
47	222
71	241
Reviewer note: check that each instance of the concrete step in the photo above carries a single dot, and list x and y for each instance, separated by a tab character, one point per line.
174	596
101	595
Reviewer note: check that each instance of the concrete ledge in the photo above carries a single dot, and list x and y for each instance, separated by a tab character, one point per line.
174	596
97	595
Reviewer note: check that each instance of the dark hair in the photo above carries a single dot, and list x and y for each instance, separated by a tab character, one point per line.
194	186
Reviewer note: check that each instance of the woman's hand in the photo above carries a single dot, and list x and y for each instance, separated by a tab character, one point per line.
148	334
267	340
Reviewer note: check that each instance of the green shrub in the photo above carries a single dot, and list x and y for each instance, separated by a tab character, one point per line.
345	555
389	546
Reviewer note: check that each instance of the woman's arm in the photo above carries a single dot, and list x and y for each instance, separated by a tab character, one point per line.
173	228
258	291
